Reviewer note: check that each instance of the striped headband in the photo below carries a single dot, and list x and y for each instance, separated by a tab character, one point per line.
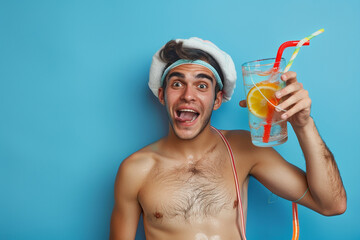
197	62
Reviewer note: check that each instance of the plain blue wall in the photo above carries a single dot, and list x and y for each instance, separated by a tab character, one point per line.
74	103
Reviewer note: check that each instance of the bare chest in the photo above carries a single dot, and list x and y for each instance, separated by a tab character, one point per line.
190	192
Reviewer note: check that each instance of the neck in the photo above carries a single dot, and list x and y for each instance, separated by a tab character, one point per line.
194	147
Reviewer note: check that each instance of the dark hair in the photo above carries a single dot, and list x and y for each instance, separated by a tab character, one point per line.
174	51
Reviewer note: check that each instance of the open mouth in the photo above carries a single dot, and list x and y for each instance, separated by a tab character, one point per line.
186	115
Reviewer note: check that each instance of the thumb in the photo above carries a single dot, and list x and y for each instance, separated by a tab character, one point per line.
242	103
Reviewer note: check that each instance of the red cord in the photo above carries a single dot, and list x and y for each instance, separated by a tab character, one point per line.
242	227
296	229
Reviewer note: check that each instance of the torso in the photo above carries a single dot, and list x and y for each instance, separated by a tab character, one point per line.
193	198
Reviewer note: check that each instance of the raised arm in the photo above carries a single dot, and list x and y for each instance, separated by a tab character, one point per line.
322	172
322	183
310	189
127	210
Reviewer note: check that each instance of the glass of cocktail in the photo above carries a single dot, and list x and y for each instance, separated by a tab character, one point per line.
261	82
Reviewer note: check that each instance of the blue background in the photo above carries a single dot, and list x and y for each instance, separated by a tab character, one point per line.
74	103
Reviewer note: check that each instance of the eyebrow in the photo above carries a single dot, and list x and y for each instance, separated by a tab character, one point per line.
176	74
200	75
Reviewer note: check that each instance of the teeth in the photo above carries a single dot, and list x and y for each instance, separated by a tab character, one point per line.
187	110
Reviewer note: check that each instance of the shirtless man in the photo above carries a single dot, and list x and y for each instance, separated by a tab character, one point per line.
183	184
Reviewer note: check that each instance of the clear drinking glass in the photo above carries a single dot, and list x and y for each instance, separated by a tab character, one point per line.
261	82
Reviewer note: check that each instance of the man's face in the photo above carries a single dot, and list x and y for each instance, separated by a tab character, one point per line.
189	98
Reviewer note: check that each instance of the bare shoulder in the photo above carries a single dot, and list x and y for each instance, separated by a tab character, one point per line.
134	169
243	148
137	162
241	140
240	136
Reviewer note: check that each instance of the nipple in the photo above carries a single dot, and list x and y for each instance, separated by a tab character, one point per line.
158	215
194	170
235	203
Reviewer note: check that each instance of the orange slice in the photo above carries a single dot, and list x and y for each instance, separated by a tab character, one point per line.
256	102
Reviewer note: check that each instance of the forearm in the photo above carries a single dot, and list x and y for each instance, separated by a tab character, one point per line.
322	173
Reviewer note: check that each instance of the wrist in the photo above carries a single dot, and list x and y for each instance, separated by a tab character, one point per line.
306	128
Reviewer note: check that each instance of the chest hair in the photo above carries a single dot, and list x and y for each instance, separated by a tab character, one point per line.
195	190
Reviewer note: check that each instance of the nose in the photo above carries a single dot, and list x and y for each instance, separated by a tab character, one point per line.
188	94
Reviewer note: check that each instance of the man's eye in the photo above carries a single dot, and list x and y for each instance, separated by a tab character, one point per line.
202	86
176	84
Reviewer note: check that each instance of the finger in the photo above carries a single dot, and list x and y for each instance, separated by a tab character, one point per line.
242	103
289	89
303	105
289	76
293	99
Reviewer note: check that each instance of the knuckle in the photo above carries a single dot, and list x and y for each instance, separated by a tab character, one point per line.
289	113
284	105
303	93
292	74
293	99
302	105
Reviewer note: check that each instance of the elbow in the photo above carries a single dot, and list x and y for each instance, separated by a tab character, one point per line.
338	209
334	212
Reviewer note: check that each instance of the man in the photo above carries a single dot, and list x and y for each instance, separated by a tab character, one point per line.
183	183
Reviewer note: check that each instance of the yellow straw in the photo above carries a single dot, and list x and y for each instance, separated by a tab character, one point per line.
298	46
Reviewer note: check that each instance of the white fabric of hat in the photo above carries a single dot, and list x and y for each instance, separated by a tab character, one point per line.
222	58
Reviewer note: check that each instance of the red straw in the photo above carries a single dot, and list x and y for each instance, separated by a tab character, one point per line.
281	50
267	126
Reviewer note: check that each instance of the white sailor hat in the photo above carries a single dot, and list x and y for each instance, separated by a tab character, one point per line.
222	58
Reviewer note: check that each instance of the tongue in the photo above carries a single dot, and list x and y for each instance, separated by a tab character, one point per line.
186	116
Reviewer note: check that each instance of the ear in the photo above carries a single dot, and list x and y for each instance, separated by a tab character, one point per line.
218	100
161	96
